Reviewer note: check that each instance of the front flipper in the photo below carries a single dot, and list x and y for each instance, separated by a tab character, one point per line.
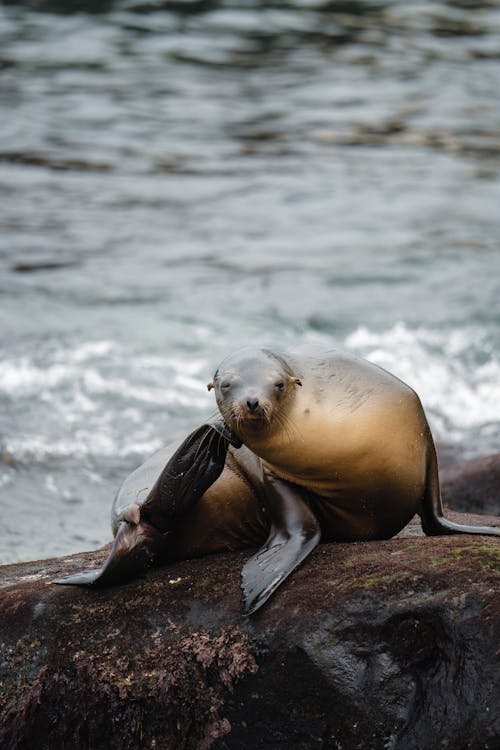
135	549
294	533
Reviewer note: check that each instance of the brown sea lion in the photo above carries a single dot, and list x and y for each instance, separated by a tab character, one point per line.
153	498
334	448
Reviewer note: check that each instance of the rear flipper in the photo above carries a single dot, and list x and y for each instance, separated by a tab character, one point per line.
431	511
193	468
142	530
135	549
294	533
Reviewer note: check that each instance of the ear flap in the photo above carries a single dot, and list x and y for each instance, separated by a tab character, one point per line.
210	385
297	381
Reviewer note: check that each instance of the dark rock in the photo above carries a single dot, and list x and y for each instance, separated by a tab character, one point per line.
388	644
473	486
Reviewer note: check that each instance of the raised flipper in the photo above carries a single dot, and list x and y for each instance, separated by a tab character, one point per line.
193	468
294	533
431	512
142	530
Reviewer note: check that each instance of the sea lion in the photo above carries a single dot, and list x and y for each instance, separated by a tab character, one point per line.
334	448
151	500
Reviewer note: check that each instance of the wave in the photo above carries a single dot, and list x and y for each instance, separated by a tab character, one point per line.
456	374
99	400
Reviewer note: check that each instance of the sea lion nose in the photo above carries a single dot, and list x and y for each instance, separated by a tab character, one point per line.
252	404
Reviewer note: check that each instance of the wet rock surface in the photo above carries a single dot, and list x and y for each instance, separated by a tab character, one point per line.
370	645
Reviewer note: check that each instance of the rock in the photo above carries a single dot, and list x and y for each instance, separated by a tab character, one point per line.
389	644
473	485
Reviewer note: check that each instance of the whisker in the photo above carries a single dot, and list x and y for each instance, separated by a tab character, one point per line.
292	428
204	437
213	437
220	442
289	428
213	415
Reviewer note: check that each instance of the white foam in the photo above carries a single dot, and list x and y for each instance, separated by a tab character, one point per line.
41	447
91	370
6	478
50	484
22	377
97	399
86	351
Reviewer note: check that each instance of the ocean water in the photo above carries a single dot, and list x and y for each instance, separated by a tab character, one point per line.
180	179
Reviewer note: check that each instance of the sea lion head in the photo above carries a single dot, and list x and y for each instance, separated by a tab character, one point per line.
252	387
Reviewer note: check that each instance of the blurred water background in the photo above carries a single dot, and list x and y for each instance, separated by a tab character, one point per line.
178	179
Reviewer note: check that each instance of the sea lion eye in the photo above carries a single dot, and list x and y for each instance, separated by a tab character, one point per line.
280	386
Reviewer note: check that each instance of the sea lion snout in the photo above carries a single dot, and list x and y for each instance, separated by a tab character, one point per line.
252	404
251	407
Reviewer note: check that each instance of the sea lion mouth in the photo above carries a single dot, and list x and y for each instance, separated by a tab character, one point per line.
239	417
255	420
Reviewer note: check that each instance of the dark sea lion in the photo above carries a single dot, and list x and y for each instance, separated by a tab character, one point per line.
153	497
334	448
